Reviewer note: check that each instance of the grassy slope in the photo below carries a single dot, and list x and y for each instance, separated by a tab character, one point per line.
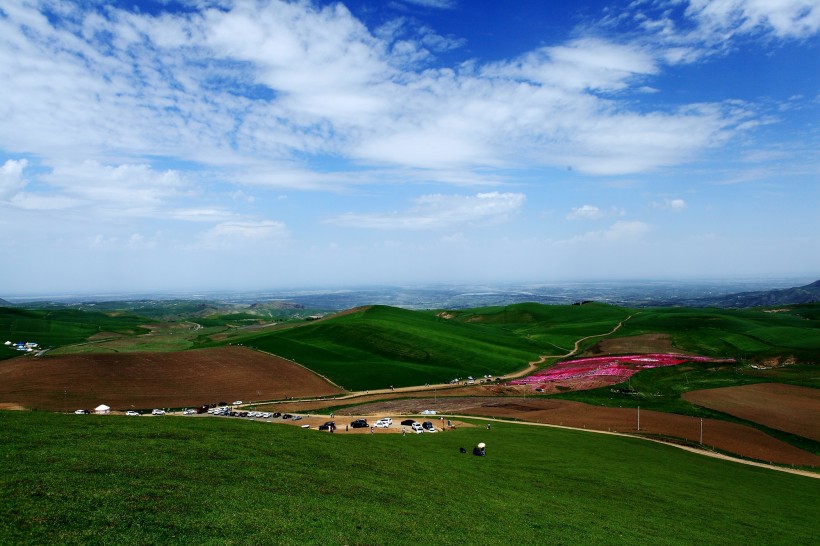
381	346
52	328
744	334
117	480
557	327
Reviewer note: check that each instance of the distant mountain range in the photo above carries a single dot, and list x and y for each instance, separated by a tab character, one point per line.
787	296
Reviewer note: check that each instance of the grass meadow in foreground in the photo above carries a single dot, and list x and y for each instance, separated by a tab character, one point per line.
116	480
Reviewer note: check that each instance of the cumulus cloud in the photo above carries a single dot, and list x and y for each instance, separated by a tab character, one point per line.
675	205
275	85
585	212
440	212
11	178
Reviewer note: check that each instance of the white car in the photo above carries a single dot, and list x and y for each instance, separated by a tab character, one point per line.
189	412
237	402
158	412
132	413
417	428
383	423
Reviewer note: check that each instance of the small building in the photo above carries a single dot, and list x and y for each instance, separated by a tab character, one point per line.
102	408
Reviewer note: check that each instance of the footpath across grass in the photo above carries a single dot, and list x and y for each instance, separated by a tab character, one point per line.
116	480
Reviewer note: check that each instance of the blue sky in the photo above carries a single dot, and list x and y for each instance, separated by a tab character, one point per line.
218	145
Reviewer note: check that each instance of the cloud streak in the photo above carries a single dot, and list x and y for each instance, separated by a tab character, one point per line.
436	212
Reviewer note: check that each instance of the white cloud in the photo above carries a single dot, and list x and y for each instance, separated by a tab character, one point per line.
440	212
620	231
440	4
228	234
271	86
585	212
11	178
784	18
675	205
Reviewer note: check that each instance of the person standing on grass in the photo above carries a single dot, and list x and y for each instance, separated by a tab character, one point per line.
488	426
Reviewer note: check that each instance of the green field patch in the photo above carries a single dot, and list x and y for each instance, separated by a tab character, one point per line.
118	480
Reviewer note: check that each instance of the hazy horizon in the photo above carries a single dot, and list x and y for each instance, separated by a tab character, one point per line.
721	285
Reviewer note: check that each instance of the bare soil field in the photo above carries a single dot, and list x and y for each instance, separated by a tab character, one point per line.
775	405
154	380
645	343
729	437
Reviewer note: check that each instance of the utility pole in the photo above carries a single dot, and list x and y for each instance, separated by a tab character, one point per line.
701	431
639	418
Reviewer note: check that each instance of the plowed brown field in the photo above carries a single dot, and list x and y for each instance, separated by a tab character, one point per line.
775	405
150	380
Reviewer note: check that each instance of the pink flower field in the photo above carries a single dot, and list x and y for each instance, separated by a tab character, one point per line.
592	372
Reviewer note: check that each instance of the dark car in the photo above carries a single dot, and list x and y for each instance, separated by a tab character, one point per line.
327	426
359	423
223	403
427	425
407	422
276	414
287	416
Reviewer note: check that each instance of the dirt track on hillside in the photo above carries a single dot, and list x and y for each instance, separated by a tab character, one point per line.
151	380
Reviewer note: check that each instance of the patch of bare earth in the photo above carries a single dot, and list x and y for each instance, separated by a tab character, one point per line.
644	343
783	407
148	380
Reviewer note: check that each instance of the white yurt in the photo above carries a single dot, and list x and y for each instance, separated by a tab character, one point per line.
102	408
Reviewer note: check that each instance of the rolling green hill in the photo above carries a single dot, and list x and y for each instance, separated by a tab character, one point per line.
120	480
379	346
750	334
53	328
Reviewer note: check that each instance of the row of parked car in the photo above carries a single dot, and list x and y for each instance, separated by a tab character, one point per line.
385	422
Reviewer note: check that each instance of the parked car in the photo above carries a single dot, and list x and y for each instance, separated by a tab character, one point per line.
428	426
383	423
237	402
158	412
132	413
287	416
297	417
407	423
359	423
188	411
327	426
276	415
82	412
417	428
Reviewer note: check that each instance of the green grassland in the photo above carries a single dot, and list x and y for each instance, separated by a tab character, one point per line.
749	334
116	480
379	346
57	327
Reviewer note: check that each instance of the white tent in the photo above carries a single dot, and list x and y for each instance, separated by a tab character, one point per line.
102	408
